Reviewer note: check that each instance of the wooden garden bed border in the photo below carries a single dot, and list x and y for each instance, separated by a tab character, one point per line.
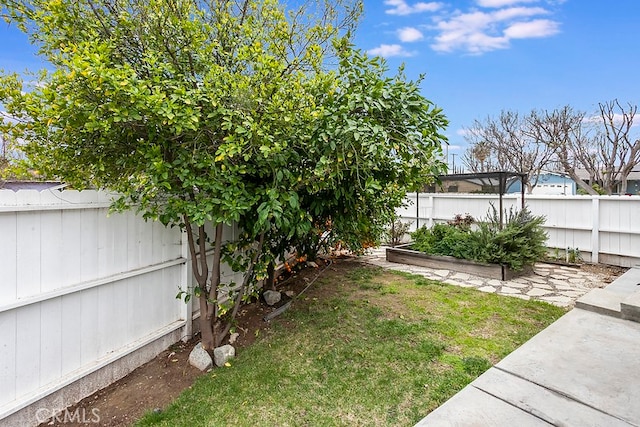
403	255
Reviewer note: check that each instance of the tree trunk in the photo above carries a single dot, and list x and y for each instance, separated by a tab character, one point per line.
529	187
212	313
201	274
212	328
586	187
623	184
206	330
271	276
221	334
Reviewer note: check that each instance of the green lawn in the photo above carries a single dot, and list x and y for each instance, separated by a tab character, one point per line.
364	347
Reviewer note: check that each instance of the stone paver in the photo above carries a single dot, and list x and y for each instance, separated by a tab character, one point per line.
442	273
508	290
537	292
555	284
514	284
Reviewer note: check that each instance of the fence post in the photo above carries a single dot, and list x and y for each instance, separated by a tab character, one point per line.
595	230
185	280
417	210
430	212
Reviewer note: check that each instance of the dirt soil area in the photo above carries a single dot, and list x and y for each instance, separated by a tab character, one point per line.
157	383
608	273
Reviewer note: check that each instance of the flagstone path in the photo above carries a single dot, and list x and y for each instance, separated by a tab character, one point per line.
557	284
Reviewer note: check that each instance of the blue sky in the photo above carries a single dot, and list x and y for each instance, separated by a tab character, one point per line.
483	56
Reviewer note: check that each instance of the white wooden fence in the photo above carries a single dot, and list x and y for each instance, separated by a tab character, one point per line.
604	229
81	290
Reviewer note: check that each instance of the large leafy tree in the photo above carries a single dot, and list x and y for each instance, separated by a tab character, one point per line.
221	112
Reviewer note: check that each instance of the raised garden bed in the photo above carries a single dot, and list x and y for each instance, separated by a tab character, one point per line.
403	254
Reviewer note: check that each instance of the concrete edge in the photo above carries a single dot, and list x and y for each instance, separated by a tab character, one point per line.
601	301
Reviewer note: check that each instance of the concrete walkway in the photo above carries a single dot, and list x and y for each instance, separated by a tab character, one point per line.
556	284
583	370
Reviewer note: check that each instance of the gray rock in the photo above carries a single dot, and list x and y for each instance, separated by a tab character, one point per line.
312	264
233	337
272	297
200	358
221	355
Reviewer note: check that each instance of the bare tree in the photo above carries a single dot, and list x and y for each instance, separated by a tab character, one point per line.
504	143
563	132
618	152
479	157
564	140
600	145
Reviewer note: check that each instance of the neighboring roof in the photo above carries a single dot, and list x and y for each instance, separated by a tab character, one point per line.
633	176
554	173
30	185
498	179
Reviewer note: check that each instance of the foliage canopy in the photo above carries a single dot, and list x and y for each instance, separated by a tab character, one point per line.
224	112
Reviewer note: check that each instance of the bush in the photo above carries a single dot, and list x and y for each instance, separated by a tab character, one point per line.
519	243
396	232
462	222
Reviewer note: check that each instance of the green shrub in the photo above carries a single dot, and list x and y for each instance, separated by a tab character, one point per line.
462	222
441	239
396	232
519	243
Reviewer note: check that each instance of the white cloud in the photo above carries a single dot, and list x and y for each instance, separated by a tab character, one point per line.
531	29
389	50
409	34
516	13
477	32
401	7
501	3
618	119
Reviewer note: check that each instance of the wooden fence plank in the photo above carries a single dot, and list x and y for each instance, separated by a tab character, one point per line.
71	345
28	248
8	356
28	349
50	341
8	257
53	273
88	310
